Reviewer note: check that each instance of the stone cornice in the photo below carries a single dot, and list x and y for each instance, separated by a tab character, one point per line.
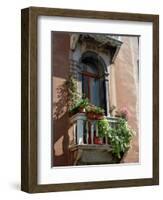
104	43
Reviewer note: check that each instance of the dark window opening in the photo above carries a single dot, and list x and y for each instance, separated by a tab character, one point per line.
93	84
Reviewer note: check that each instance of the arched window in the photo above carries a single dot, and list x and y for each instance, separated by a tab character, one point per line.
92	77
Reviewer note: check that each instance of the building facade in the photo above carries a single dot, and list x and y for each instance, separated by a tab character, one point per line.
107	72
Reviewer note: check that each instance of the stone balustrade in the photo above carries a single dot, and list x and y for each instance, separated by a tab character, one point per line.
85	131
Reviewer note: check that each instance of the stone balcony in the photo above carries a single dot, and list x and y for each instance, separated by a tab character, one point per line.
85	148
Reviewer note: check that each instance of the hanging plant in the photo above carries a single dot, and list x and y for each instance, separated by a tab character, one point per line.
72	94
120	137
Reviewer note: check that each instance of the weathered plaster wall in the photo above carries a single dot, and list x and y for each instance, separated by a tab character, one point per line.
124	88
60	71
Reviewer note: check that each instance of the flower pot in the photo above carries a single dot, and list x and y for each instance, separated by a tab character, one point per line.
98	140
99	116
78	110
94	116
81	110
91	115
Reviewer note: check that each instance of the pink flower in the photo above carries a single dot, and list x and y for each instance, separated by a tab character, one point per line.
123	112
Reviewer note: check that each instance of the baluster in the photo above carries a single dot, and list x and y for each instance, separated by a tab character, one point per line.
74	132
96	129
92	132
87	135
106	139
84	132
80	131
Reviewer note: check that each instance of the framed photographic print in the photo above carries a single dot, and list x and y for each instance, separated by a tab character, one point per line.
90	99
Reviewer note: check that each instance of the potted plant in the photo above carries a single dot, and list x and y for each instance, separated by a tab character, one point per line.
94	112
80	106
98	140
103	129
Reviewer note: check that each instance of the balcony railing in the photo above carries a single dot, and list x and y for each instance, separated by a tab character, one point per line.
85	131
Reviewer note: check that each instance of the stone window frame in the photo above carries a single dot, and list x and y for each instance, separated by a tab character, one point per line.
94	55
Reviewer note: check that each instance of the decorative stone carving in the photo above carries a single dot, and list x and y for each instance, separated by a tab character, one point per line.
73	41
103	43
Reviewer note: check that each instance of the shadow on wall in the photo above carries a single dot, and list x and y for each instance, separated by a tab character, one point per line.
60	127
60	106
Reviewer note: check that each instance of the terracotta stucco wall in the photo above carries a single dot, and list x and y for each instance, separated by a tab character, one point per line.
60	71
124	88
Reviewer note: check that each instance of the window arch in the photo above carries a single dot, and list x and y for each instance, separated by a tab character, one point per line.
92	76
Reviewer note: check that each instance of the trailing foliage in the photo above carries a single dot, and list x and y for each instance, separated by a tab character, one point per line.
103	127
120	137
72	94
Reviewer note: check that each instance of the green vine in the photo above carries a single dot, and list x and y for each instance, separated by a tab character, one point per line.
120	137
72	94
103	127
